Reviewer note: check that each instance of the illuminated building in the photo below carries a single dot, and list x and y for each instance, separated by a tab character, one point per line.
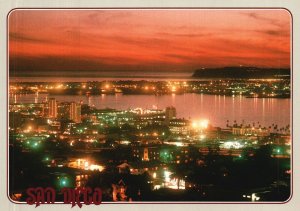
36	109
64	111
166	154
52	108
250	131
86	164
75	112
54	127
126	118
70	111
146	153
179	126
119	191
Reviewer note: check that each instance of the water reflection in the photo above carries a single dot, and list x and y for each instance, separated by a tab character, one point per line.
218	109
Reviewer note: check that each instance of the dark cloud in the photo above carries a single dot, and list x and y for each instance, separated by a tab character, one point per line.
271	21
187	35
58	65
22	64
180	57
277	33
19	37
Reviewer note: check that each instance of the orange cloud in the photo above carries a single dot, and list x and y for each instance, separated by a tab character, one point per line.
158	40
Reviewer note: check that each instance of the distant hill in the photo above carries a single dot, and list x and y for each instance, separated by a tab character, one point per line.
243	73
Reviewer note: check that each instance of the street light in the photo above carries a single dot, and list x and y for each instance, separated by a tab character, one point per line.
63	182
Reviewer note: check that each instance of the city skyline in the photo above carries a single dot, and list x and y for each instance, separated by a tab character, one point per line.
164	105
146	40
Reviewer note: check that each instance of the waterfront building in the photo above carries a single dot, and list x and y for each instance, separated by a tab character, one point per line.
250	131
179	126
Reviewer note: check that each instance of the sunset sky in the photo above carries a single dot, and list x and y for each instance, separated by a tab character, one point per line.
146	40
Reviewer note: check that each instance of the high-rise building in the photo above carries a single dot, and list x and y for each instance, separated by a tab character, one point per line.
170	114
69	111
64	111
52	108
75	112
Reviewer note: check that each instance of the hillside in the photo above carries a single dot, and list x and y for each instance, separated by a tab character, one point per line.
243	73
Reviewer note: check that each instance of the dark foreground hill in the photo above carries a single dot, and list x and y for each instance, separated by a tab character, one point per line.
243	73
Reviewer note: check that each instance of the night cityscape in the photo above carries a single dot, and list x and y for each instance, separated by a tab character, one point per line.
219	134
71	143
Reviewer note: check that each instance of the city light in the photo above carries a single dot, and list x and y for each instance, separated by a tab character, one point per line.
254	197
173	183
154	175
232	145
194	124
94	167
200	124
173	88
167	175
86	165
63	181
204	124
179	144
59	86
202	136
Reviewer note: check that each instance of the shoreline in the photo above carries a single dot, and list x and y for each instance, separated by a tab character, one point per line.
150	94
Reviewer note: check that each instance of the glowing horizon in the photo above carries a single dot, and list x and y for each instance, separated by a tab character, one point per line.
147	40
